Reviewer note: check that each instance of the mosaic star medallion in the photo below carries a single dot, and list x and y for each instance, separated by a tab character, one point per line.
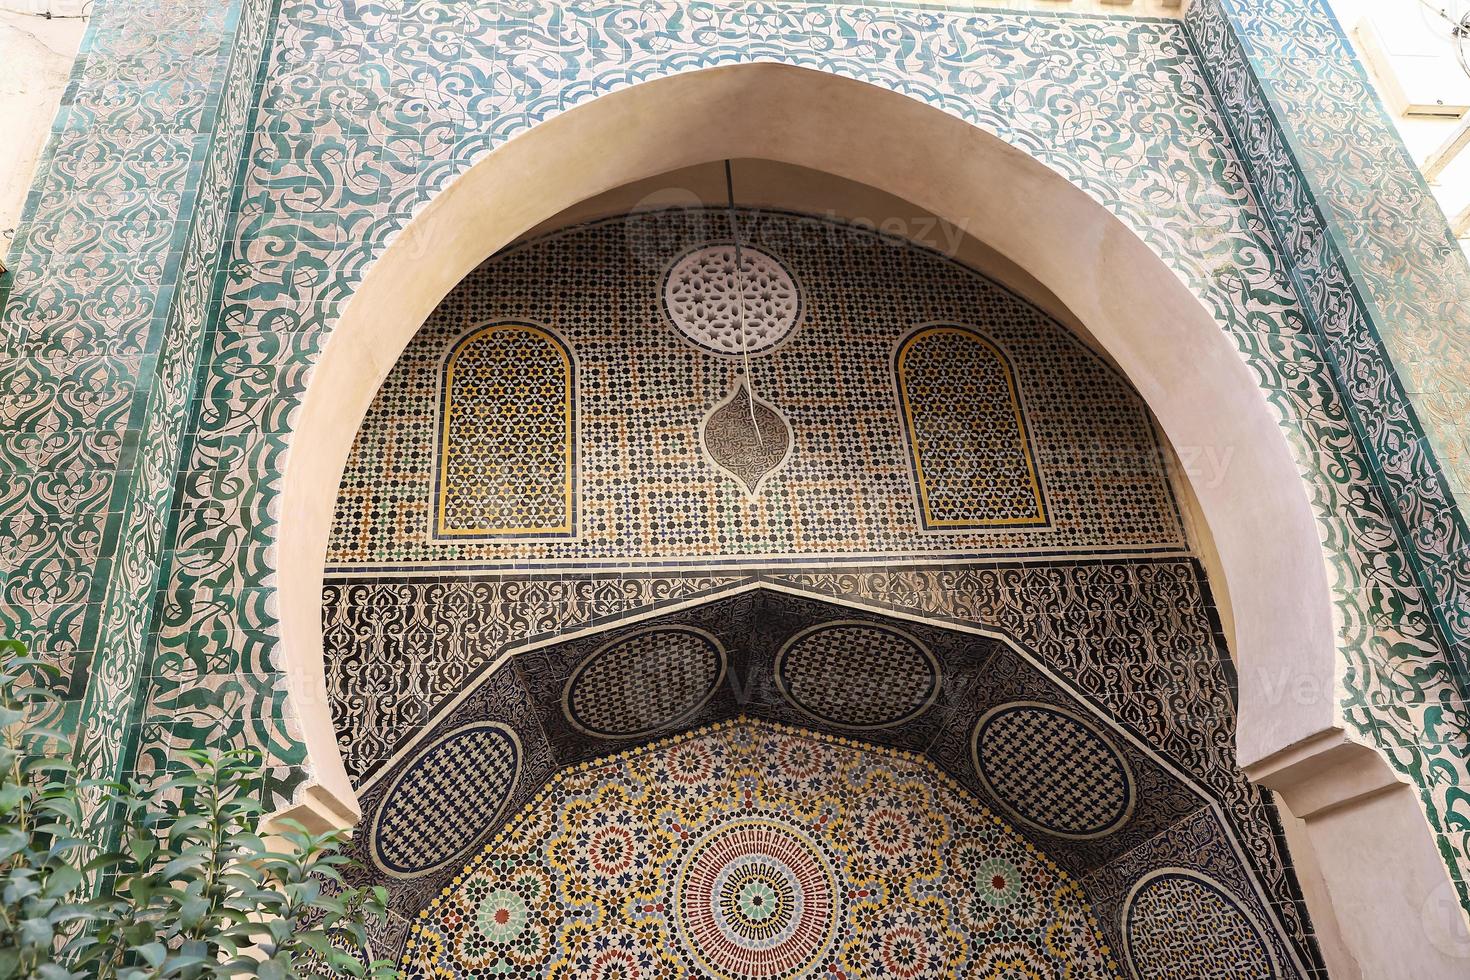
722	312
757	899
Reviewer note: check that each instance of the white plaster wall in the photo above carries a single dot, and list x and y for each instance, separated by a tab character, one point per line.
37	56
56	8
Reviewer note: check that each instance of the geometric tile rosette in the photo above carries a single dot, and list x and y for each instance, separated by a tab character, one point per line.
444	798
971	454
1052	770
507	449
857	674
699	300
645	682
754	851
1180	923
757	898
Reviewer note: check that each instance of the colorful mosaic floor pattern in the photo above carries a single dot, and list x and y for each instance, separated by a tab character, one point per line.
750	851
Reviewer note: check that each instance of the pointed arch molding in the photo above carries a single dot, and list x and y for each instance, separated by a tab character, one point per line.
1268	521
1162	337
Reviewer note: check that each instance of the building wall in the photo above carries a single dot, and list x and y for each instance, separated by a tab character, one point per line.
644	476
104	326
1410	54
134	480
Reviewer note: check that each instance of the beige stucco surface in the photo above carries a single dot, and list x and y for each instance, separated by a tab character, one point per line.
37	55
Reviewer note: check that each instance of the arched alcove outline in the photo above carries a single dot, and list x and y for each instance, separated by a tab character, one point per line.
444	399
1137	308
910	420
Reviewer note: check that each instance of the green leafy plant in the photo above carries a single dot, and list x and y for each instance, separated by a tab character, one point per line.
193	889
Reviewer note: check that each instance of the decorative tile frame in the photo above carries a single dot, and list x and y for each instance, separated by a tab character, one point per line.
1180	768
1384	283
104	319
1386	291
1019	470
469	636
367	110
558	488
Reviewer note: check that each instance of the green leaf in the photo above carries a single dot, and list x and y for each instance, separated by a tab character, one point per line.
107	859
62	881
12	796
152	953
192	911
12	841
348	964
186	862
18	888
139	933
36	932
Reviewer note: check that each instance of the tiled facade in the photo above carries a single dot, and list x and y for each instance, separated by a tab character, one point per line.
104	323
888	440
223	173
1382	280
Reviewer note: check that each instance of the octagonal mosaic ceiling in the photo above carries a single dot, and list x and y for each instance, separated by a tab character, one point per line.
754	852
764	782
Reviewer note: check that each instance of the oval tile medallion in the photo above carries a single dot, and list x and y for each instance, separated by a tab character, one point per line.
857	674
1178	922
445	799
1052	770
647	681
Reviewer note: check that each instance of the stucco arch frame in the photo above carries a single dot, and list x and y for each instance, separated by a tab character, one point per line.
1134	305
